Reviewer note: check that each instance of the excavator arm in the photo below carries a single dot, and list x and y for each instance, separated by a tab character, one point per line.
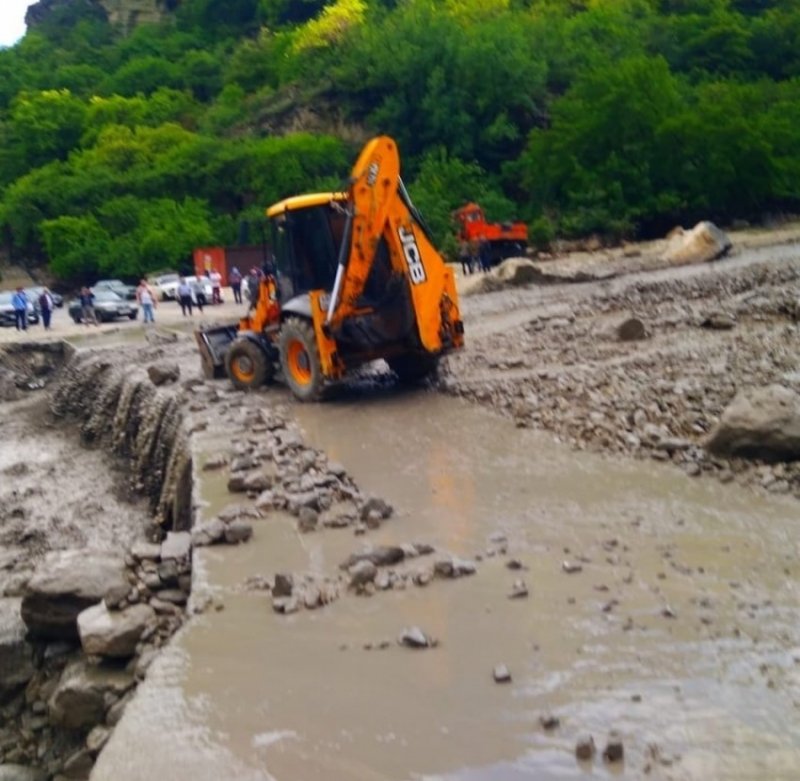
380	210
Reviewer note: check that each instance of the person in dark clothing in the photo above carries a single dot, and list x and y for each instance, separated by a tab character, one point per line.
88	314
235	281
185	296
464	258
46	308
485	254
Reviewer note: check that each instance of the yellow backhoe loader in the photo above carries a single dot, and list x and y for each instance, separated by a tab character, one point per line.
355	278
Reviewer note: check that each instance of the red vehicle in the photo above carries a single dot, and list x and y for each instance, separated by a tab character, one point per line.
506	239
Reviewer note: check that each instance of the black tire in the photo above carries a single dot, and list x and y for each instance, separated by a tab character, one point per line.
300	361
132	315
411	369
247	365
77	318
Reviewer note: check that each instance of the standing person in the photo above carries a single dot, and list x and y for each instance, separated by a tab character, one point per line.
46	308
146	300
253	279
199	293
216	286
485	254
20	303
87	307
463	257
185	296
235	280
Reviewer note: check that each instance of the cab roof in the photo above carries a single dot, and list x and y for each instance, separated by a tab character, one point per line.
304	202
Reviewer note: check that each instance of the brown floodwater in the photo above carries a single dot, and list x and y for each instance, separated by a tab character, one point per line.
682	629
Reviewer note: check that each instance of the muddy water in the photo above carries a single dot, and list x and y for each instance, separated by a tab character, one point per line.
678	630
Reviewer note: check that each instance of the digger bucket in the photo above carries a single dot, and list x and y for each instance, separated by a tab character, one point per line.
213	343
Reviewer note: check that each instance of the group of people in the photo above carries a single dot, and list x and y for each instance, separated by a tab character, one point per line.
192	293
475	255
20	303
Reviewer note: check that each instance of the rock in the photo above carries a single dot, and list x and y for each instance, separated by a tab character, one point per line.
238	531
585	748
11	772
285	605
307	520
719	321
97	738
177	545
631	329
78	766
501	674
208	533
571	567
257	481
63	585
107	633
362	573
79	700
8	385
312	598
146	551
703	243
549	721
115	597
614	750
163	373
414	637
214	463
759	423
174	596
283	585
380	556
375	505
16	655
518	589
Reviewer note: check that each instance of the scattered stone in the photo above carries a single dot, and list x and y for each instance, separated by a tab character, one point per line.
571	567
375	505
614	750
163	373
106	633
307	520
631	329
362	573
64	584
549	721
214	463
703	243
237	532
501	674
283	585
585	748
285	605
719	321
208	533
515	564
177	545
519	589
414	637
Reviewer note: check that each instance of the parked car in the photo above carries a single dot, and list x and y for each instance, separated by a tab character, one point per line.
33	294
128	292
7	316
165	286
207	287
107	306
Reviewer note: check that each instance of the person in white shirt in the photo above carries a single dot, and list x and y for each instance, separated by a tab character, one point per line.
216	286
147	301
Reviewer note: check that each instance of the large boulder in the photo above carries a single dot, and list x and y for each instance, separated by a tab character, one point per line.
63	585
16	655
84	692
703	243
517	271
114	633
759	423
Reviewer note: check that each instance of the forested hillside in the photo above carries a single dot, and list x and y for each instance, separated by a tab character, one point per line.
623	117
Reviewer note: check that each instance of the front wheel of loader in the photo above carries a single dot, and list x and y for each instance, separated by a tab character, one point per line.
300	362
247	365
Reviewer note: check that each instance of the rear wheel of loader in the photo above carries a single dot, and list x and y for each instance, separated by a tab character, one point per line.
246	365
411	369
300	362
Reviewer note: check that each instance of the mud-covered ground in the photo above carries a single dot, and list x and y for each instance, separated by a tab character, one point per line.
550	356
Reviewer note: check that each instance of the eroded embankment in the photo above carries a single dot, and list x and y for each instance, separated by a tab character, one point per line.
86	599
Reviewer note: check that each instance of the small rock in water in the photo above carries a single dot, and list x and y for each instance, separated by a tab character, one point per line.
501	674
414	637
585	748
614	750
283	585
571	567
515	564
549	721
518	589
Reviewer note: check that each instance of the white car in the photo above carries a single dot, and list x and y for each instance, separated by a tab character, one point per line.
165	286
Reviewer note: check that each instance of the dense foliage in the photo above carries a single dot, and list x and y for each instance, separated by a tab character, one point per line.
120	154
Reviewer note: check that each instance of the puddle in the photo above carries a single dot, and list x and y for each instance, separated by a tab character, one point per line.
677	631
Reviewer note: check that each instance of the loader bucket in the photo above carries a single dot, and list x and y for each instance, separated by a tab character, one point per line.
213	343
